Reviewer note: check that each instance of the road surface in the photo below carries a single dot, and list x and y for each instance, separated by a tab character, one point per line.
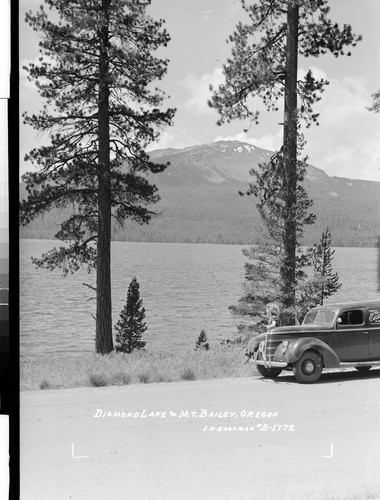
241	438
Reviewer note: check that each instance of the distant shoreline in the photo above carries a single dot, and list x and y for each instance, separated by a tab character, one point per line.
188	242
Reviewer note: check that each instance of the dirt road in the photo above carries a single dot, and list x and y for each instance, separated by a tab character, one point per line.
242	438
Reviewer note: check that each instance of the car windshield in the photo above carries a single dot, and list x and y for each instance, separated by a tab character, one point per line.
320	316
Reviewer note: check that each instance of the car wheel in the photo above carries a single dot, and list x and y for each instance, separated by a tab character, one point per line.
363	369
308	368
268	372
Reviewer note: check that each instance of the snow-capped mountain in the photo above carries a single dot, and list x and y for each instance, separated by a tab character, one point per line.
218	161
200	201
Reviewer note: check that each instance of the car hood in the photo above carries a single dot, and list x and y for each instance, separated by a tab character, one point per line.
301	328
296	330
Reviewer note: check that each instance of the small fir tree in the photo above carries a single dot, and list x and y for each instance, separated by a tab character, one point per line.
201	342
324	282
131	325
322	261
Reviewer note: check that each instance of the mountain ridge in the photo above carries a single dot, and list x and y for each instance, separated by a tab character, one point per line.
200	202
251	157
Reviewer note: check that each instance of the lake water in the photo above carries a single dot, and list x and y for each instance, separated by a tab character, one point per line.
184	288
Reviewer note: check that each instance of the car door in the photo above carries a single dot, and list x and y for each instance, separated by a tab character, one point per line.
374	332
350	339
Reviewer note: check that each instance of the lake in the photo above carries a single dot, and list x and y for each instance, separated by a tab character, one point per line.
184	288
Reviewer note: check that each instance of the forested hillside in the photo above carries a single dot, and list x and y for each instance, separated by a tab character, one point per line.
200	201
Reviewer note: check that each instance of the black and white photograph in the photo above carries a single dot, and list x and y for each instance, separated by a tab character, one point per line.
4	250
199	249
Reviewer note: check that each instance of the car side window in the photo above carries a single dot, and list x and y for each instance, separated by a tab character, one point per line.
351	318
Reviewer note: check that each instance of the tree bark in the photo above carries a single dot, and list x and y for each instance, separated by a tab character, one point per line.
104	343
288	271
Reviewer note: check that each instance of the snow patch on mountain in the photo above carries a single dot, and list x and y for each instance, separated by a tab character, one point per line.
215	178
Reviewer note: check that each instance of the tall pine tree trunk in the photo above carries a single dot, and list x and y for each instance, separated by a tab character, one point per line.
288	270
324	243
104	342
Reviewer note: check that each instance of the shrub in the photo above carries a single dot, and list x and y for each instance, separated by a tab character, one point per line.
188	374
45	384
98	380
121	378
201	342
144	377
159	377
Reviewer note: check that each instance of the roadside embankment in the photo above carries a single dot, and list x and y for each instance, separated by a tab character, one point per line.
92	370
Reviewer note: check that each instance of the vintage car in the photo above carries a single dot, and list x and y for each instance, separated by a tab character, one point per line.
331	336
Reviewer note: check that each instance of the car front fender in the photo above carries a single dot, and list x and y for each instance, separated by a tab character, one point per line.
297	348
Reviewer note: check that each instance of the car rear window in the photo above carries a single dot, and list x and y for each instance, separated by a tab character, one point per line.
353	317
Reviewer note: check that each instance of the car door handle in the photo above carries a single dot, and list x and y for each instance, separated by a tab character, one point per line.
365	333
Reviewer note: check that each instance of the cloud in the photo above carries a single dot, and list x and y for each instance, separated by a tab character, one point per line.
206	15
270	142
234	9
241	136
199	90
177	137
347	141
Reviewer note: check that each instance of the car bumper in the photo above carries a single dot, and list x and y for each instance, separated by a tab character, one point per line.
269	364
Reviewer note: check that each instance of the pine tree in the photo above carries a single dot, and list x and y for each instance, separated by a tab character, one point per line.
201	342
131	325
312	290
264	64
261	284
264	281
95	73
322	255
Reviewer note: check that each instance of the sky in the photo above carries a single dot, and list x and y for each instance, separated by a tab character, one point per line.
345	144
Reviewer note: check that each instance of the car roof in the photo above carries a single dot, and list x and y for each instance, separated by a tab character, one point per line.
351	305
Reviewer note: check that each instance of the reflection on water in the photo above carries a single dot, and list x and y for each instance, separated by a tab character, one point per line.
184	288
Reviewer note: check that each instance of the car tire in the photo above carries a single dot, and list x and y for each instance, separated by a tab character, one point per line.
268	372
308	368
363	369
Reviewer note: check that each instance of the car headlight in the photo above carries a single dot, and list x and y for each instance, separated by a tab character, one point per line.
262	345
284	346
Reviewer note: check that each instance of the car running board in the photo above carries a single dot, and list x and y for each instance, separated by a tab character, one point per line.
359	363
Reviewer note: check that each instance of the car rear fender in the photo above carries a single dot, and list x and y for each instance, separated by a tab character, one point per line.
297	348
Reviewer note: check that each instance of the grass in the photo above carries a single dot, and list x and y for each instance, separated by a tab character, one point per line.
140	367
